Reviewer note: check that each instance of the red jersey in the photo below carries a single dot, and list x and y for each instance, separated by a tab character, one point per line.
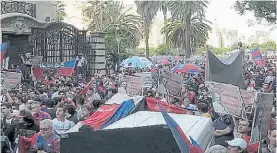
251	148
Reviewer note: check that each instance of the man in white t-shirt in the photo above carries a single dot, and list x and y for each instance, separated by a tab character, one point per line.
80	64
60	124
270	77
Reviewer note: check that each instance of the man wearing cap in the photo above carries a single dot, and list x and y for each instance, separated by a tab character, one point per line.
237	145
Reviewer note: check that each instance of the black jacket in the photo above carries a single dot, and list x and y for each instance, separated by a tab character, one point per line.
17	129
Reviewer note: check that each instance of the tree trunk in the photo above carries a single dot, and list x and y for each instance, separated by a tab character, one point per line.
147	30
164	14
187	33
165	22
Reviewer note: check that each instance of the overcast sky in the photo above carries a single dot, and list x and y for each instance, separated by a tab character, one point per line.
220	12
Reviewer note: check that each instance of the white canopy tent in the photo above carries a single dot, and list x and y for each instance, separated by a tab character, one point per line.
198	127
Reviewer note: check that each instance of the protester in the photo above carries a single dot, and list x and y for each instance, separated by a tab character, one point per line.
224	127
24	127
270	145
50	104
19	102
216	149
58	103
244	131
237	145
7	119
38	114
47	140
60	123
87	110
71	114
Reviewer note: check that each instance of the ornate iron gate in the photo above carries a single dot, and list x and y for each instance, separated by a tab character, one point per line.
59	42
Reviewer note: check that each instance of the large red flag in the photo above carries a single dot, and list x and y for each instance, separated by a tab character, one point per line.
152	104
25	144
101	116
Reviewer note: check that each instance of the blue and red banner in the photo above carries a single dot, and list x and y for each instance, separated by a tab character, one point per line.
67	69
257	57
4	47
108	114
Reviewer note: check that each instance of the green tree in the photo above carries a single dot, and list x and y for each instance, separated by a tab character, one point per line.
262	9
147	11
60	11
175	32
185	13
100	14
123	29
267	46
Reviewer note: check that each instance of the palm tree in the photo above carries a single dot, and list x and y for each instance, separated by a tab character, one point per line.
100	14
175	31
123	28
185	11
147	11
60	11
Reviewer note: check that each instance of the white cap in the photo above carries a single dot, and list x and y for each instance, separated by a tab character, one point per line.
238	142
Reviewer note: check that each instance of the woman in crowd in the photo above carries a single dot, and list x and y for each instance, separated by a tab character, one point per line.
87	110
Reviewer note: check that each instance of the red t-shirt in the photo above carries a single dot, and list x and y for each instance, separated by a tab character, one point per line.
251	148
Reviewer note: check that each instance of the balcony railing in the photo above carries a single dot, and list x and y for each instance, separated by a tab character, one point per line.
18	7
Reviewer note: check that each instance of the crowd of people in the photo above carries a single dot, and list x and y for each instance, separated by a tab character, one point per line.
54	105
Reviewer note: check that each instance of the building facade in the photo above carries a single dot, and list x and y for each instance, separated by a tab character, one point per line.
17	20
31	27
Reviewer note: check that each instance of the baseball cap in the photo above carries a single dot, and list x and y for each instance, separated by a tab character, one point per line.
238	142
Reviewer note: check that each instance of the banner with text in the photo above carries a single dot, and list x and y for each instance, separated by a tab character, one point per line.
172	82
134	84
147	80
229	99
262	117
10	79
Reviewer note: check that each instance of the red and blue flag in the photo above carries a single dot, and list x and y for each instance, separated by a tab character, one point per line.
196	146
4	47
182	141
68	68
257	57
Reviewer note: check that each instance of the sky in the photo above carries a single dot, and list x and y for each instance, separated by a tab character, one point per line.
227	17
221	13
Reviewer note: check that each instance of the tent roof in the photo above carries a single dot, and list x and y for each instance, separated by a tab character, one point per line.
194	126
120	98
